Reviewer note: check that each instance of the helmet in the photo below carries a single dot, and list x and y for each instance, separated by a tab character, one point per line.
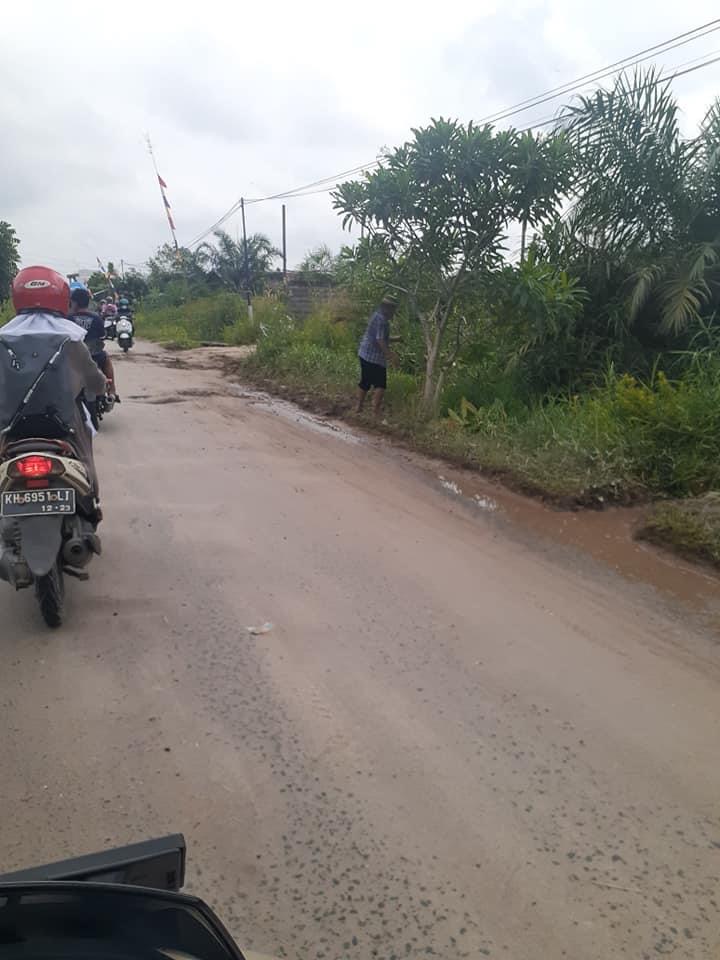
110	308
40	288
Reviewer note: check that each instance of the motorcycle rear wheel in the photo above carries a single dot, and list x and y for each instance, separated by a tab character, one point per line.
50	593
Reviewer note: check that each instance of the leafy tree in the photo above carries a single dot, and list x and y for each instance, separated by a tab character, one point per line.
133	284
537	309
545	172
97	282
438	208
180	274
9	258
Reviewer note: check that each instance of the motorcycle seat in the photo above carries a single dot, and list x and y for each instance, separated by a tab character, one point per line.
39	445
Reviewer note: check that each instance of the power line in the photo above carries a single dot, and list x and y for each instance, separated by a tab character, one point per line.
281	196
558	117
602	73
710	27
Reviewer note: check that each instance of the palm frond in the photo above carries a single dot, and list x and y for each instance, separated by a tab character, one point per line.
642	283
684	294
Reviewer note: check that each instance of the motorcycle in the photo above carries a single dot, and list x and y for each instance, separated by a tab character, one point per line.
100	407
124	903
110	327
48	512
47	520
125	333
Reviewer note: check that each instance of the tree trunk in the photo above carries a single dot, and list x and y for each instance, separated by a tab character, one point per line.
430	387
523	236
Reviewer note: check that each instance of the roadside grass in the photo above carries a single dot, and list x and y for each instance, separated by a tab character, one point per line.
621	441
222	318
690	527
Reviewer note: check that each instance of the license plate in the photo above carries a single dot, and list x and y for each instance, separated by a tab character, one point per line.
36	503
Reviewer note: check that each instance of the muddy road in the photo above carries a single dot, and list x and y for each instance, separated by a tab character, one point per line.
448	737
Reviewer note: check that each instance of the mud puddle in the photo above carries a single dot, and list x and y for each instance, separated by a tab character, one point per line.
605	535
290	411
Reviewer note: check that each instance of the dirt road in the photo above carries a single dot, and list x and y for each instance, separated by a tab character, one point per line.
452	742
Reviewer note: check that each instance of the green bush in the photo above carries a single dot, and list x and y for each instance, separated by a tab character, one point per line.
222	318
621	437
7	312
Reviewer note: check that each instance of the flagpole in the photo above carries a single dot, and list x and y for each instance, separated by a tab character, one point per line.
166	205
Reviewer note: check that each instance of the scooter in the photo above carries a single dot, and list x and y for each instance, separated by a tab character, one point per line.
110	327
48	511
125	331
124	903
48	518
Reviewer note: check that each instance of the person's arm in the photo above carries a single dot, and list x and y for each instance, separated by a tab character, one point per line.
382	338
92	378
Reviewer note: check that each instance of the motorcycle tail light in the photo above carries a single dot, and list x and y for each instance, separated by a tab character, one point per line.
35	467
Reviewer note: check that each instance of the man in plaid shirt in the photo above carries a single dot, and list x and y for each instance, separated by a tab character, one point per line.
374	353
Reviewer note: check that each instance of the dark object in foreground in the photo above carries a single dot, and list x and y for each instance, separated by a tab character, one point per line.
121	904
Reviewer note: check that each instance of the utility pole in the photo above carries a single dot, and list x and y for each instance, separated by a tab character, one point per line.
284	243
247	262
122	269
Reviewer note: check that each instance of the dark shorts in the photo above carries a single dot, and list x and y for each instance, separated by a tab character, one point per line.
100	358
372	375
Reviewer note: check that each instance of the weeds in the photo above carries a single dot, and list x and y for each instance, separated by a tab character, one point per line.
221	318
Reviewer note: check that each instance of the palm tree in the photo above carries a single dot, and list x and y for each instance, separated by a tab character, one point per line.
229	262
647	210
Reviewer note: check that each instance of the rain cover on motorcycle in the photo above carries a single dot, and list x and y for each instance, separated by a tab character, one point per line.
36	392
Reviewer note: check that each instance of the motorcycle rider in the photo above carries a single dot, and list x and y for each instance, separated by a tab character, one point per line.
94	331
41	297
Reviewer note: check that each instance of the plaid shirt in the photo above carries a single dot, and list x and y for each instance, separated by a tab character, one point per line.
377	329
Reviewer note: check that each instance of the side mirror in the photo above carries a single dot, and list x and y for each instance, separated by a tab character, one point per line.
122	903
159	864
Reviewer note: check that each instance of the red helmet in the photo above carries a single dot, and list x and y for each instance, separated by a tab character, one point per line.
40	288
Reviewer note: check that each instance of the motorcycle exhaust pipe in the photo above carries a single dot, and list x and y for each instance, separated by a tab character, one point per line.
78	549
76	552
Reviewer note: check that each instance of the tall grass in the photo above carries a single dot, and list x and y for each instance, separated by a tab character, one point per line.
220	318
623	437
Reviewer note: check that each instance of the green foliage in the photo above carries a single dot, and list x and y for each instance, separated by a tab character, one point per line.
546	167
318	262
619	438
7	312
437	210
643	234
220	318
537	309
9	258
691	527
228	261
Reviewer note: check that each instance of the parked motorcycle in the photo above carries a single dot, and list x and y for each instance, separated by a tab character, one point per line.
124	903
125	330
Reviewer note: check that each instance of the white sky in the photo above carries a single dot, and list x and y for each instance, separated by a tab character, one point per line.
252	99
